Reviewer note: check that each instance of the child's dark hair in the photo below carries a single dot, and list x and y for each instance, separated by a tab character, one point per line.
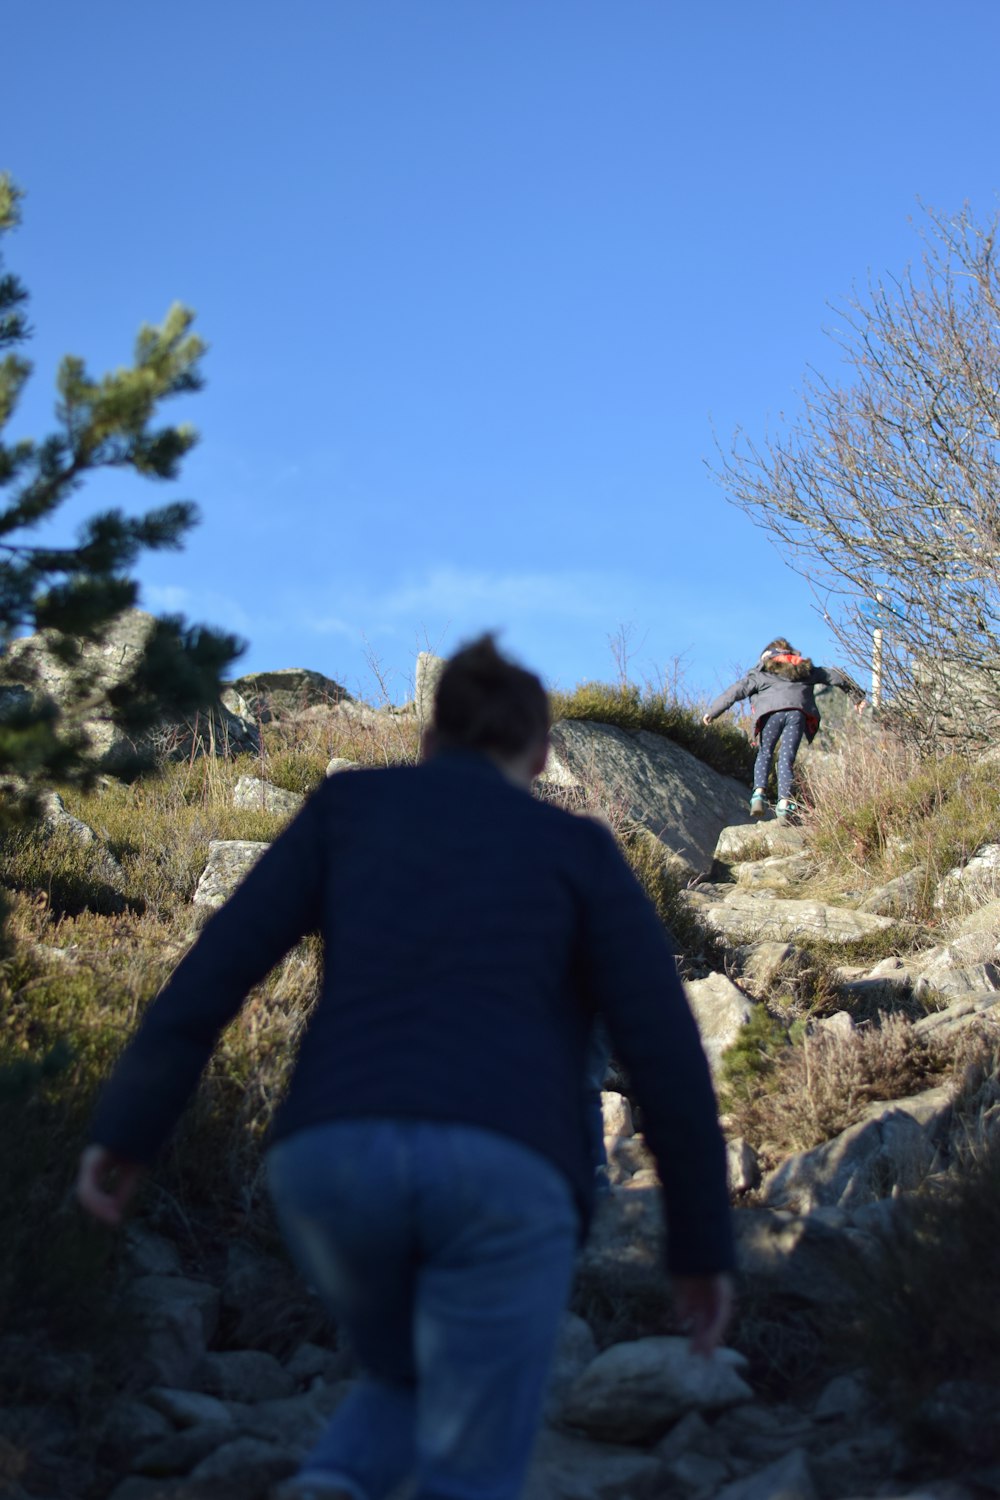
485	702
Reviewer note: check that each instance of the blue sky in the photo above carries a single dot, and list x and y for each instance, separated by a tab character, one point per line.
478	278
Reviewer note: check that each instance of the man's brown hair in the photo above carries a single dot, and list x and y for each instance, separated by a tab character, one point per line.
485	702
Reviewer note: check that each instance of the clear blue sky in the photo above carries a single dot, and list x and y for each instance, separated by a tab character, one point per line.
478	277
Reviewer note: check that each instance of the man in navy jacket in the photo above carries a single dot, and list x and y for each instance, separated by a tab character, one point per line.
430	1165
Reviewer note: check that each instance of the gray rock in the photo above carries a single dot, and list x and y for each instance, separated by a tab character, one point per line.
252	1463
787	1255
189	1408
338	764
632	1392
763	965
311	1362
721	1011
841	1024
255	795
132	1424
178	1319
151	1254
742	1166
973	883
743	916
229	860
137	1487
294	1422
952	970
617	1116
744	841
181	1451
776	873
880	987
900	897
788	1478
959	1015
863	1163
288	691
565	1467
429	669
108	664
575	1350
250	1278
244	1375
661	786
626	1237
152	1292
845	1396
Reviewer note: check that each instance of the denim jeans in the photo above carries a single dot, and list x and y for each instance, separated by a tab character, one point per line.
445	1252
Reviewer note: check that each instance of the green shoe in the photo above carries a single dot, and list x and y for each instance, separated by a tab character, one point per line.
758	804
785	807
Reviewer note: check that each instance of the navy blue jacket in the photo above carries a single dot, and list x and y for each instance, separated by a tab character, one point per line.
470	934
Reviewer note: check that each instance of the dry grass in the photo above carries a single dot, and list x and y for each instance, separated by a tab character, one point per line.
808	1093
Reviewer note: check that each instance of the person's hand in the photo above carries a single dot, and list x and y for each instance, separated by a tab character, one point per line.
105	1184
705	1304
706	719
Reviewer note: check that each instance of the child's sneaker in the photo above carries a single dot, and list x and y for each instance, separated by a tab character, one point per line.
785	807
758	804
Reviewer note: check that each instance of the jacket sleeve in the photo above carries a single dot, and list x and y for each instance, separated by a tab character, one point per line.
834	677
634	984
275	905
741	689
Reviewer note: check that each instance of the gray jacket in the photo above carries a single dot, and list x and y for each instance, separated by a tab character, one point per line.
770	693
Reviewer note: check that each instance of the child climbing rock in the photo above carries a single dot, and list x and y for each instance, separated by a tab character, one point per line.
781	689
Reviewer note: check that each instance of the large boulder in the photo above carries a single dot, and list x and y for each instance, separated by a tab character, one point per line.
654	782
864	1163
288	691
33	673
257	795
721	1010
633	1392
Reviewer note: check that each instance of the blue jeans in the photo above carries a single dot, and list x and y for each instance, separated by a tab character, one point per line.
445	1252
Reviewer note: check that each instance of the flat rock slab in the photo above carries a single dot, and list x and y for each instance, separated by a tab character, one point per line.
228	862
660	785
744	916
749	840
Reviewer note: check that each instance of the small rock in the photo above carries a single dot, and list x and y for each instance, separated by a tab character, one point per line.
188	1408
151	1254
575	1349
228	862
249	1461
742	1166
843	1396
617	1113
338	763
787	1478
178	1453
244	1375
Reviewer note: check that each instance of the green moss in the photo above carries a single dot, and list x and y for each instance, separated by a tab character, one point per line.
749	1064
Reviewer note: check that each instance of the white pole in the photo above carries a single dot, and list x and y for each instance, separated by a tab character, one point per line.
876	666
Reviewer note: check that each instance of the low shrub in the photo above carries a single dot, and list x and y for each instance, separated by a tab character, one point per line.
790	1098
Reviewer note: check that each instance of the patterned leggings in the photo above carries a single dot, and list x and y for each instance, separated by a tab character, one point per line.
782	730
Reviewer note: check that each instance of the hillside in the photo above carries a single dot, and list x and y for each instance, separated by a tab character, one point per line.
845	975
